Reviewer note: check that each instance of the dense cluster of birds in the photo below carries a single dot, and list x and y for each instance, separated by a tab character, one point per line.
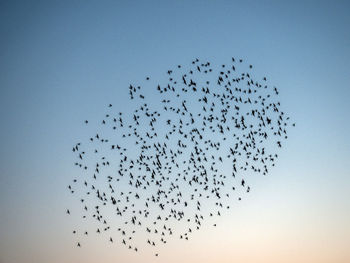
183	154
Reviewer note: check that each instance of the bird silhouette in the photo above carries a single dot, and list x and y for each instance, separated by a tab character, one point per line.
153	170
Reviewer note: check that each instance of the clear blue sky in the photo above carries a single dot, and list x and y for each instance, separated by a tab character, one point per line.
63	61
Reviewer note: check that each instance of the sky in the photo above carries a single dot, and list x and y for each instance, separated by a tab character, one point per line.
64	61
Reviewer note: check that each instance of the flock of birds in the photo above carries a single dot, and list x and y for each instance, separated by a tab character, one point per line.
182	155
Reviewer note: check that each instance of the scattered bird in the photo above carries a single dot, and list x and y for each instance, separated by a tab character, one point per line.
159	165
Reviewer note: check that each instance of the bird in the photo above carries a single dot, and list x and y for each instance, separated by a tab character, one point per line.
188	148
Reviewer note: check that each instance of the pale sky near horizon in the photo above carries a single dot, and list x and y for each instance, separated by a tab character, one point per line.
64	61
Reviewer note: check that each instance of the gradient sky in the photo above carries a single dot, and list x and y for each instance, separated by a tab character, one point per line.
63	61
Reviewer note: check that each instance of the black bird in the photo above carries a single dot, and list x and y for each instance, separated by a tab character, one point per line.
173	153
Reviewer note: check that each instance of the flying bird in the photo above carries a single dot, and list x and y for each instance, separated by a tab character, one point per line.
191	141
